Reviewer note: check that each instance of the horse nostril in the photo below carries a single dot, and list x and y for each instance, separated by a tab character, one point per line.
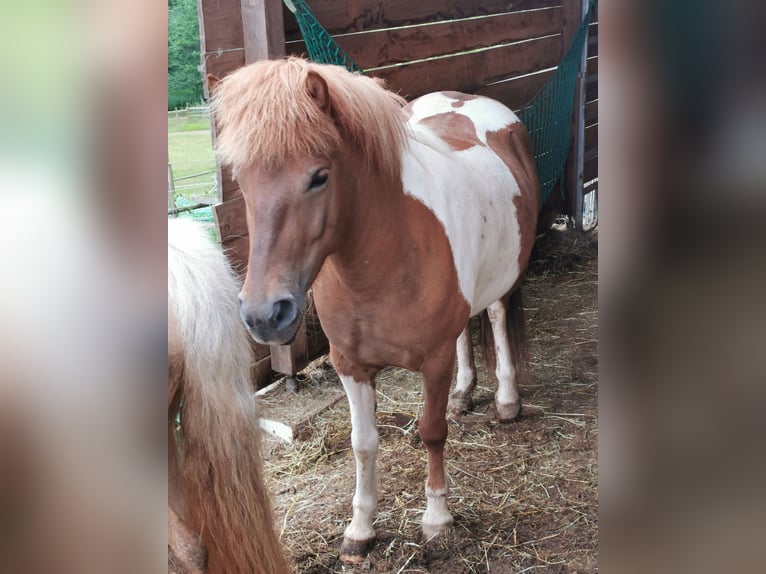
283	313
247	317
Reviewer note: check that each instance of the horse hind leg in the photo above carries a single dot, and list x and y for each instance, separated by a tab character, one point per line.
506	317
460	400
359	535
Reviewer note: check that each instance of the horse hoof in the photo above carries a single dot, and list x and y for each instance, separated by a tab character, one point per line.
459	403
432	531
507	413
355	551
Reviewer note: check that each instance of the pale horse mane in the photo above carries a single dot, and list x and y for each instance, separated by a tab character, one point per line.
222	486
265	115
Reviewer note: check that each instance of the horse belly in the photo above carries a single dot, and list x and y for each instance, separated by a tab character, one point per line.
471	193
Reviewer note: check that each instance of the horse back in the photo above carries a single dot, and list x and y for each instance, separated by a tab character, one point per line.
470	161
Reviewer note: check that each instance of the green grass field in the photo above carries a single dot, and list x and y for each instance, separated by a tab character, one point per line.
190	152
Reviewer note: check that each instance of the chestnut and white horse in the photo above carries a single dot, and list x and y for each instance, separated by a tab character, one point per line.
405	219
219	513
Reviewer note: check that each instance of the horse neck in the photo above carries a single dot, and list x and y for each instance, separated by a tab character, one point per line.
375	228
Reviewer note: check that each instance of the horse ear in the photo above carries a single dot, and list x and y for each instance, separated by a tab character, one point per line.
212	83
317	88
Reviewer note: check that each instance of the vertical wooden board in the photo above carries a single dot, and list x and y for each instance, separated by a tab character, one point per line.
346	16
571	17
220	24
230	219
289	359
263	29
220	64
260	371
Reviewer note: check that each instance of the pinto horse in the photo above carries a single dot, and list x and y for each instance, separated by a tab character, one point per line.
219	513
406	219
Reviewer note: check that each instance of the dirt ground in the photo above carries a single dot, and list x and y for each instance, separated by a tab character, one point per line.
524	495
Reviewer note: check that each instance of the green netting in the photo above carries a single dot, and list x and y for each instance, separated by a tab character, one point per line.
319	44
548	117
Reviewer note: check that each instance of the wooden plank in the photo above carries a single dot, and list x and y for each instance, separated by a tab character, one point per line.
230	219
229	222
516	92
373	49
590	169
571	16
220	64
591	138
220	25
591	88
289	359
591	112
263	29
592	66
237	251
344	17
260	370
468	72
593	42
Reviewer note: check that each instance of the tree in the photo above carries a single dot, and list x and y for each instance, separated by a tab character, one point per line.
184	76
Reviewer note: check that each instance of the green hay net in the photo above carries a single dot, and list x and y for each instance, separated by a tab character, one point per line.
548	117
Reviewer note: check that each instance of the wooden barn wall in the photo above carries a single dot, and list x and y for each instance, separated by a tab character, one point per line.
505	49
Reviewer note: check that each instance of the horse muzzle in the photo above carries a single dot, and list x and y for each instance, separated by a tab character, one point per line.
274	322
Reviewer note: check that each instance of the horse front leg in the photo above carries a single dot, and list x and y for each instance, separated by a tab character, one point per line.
437	375
460	400
359	535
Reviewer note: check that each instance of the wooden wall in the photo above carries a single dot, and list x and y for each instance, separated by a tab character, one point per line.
505	49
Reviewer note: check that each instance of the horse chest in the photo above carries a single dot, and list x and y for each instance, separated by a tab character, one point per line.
393	325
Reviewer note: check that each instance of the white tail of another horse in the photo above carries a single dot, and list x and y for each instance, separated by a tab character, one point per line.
220	472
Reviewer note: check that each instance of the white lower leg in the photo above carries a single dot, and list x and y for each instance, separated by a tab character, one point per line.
466	368
437	516
507	396
460	399
364	439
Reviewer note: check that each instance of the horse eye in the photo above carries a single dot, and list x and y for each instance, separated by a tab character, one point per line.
319	179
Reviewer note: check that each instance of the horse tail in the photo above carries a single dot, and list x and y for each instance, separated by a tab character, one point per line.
225	499
517	335
516	326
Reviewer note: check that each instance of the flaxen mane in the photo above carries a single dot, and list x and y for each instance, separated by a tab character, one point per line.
226	501
265	115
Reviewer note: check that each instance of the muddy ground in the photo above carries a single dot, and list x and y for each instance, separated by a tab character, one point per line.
524	495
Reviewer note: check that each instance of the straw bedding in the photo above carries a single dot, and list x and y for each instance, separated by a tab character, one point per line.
524	495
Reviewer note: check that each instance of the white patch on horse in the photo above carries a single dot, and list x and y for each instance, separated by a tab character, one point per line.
437	516
471	193
364	439
486	114
507	396
466	368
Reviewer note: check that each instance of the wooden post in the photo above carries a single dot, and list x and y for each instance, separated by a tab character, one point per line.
573	11
263	29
